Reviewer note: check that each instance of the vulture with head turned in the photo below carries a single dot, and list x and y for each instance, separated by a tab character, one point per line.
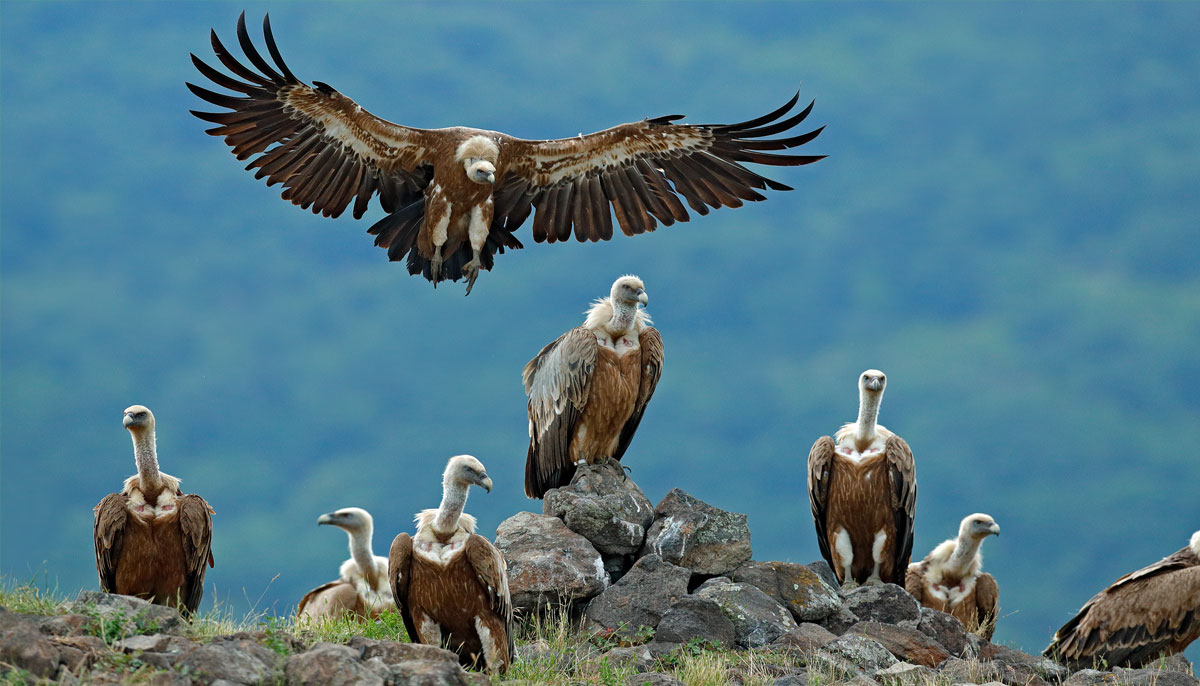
589	388
456	196
862	486
152	541
951	578
362	588
451	584
1152	612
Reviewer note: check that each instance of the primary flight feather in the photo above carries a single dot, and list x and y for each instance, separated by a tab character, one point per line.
455	196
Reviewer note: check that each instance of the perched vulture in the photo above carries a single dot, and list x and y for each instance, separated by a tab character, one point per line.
862	485
362	588
455	196
951	578
451	584
1144	614
589	388
152	541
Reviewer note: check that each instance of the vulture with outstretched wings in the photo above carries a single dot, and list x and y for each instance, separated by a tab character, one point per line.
455	196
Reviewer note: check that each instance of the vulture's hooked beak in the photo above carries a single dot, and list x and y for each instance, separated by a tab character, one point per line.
127	420
874	384
995	529
486	483
326	518
642	297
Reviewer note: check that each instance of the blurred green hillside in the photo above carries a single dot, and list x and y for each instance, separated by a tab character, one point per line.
1006	224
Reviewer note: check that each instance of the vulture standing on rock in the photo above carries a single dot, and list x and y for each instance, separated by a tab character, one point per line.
1144	614
951	578
450	584
152	541
589	388
455	196
863	493
362	588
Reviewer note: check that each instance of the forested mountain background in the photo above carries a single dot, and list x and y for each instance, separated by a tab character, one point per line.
1006	225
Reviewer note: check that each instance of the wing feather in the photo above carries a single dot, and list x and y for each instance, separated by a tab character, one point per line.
108	529
400	578
557	381
321	146
645	166
492	572
914	580
987	603
820	469
195	521
903	473
651	346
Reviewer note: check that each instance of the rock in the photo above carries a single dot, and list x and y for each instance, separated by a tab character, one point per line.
695	617
945	629
1089	677
821	569
605	506
866	654
640	598
905	644
806	638
394	652
794	586
757	619
236	658
905	674
1019	666
652	679
432	673
637	657
886	603
693	534
329	664
155	643
1175	663
548	564
65	625
959	671
136	616
77	653
795	679
1151	677
24	646
840	621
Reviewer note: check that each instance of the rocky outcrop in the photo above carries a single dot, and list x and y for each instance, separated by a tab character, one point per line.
757	618
605	506
640	598
693	534
548	564
795	586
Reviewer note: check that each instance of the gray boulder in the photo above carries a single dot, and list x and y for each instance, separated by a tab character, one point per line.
886	603
909	645
329	664
757	618
1017	666
652	679
945	629
905	674
237	659
804	639
548	564
604	506
636	657
795	586
693	534
839	622
867	655
433	673
640	598
821	569
694	617
136	616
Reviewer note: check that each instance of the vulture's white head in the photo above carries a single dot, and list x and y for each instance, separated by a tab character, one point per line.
478	155
464	471
1194	544
872	381
978	526
348	518
629	290
138	419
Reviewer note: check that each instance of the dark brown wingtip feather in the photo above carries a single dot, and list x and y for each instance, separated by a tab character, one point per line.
251	52
769	117
772	129
274	50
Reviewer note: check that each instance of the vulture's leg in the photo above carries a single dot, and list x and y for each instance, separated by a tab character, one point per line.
436	268
471	270
477	233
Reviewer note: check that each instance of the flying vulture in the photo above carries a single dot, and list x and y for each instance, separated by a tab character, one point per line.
951	578
152	541
1144	614
451	584
362	588
862	485
456	196
589	388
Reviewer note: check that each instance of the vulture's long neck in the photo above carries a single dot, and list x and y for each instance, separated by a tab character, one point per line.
146	456
623	316
965	550
868	413
363	555
454	498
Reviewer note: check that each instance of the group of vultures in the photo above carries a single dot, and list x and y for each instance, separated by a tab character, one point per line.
454	198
